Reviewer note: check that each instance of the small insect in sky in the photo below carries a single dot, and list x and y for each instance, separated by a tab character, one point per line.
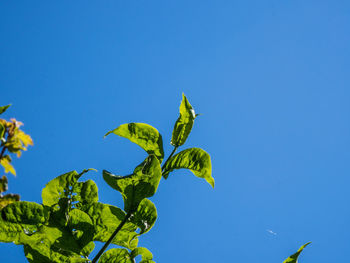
271	232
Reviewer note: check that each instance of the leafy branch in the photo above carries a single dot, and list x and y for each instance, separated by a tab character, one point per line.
15	141
70	219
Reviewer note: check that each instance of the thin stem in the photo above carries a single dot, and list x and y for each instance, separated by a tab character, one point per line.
2	152
126	218
3	144
171	155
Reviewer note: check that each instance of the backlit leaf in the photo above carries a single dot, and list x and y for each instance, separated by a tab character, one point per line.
24	138
145	216
6	163
67	186
184	123
294	258
4	108
24	213
106	219
144	252
144	135
141	184
116	255
194	159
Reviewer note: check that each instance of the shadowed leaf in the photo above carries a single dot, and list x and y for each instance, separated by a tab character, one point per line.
141	184
145	216
4	108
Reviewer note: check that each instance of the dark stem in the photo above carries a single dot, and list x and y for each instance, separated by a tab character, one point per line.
171	155
3	144
126	218
2	152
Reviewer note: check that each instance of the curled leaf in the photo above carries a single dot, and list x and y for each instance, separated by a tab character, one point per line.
4	108
294	258
144	135
137	186
145	216
144	252
184	123
194	159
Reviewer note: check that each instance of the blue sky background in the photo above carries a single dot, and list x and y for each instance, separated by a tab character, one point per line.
271	79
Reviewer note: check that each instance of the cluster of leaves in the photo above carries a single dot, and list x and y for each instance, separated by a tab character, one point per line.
70	218
14	140
64	227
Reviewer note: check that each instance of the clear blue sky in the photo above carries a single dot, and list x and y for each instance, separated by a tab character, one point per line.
271	79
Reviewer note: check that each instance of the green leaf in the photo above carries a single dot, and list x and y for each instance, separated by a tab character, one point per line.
145	216
83	230
2	131
8	199
44	254
116	255
4	108
67	187
58	231
24	213
145	254
144	135
184	123
106	219
141	184
194	159
294	258
6	163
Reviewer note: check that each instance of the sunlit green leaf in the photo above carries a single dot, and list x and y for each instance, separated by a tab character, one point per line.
41	253
4	108
141	184
194	159
106	219
145	254
145	216
24	213
294	258
144	135
66	186
184	123
116	255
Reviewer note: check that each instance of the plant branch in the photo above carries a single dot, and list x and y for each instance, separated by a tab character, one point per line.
109	241
3	144
171	155
2	152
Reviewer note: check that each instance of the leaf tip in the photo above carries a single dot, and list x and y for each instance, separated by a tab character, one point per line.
108	133
211	181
